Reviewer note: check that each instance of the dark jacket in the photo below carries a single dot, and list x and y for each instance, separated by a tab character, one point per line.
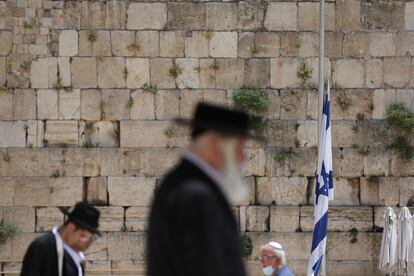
192	228
41	259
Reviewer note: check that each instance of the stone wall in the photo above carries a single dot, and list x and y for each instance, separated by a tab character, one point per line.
80	117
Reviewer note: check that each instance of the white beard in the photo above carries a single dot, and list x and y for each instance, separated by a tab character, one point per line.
234	187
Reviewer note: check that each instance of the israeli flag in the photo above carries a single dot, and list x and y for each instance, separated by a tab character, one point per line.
323	190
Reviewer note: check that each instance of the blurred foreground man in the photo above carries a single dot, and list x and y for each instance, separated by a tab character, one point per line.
59	252
273	260
192	228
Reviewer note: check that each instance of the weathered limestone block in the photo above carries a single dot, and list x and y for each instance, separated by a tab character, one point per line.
256	160
338	268
143	105
230	73
130	191
254	218
221	16
138	72
43	72
188	102
379	213
99	250
3	71
361	103
35	134
189	76
121	162
281	190
47	104
284	218
102	46
382	44
406	191
20	243
12	134
186	16
90	105
409	16
93	15
136	218
111	72
396	71
138	266
346	192
111	219
250	15
309	45
281	17
405	43
115	104
167	104
21	217
280	133
6	105
341	219
223	44
61	132
292	104
380	15
148	42
380	191
172	44
218	97
69	104
283	73
84	74
382	99
122	43
349	162
302	163
98	265
356	44
64	71
97	190
348	15
307	134
313	64
196	44
267	44
158	161
24	104
159	72
373	73
348	73
246	45
208	72
146	16
116	14
99	134
68	43
47	218
6	38
354	246
308	16
257	73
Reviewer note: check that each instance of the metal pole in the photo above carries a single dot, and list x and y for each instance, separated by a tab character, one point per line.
321	90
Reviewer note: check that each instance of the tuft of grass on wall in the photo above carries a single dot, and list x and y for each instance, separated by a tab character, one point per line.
7	232
404	148
399	116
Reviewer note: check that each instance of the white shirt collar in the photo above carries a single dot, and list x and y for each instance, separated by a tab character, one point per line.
206	168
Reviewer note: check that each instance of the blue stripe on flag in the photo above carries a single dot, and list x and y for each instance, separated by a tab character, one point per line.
320	231
316	267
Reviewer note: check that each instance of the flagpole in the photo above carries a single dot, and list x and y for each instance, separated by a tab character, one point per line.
321	90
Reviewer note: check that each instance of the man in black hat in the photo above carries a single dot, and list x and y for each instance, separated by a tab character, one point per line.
192	228
59	252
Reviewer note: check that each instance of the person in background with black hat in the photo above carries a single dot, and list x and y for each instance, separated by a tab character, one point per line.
192	228
59	252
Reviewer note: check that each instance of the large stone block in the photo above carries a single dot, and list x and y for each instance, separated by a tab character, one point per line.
223	44
47	218
93	15
61	132
382	15
196	44
376	163
254	218
301	163
115	104
221	16
382	99
397	71
148	42
281	16
360	103
283	73
84	74
43	72
144	105
6	105
35	134
69	104
308	16
405	43
138	72
130	191
267	44
136	218
230	73
68	43
348	15
309	45
24	104
167	104
172	44
341	219
99	134
188	102
255	164
346	192
147	16
356	44
47	104
292	104
159	72
116	14
382	44
250	15
348	73
21	217
20	243
373	73
409	16
186	16
406	191
64	71
111	73
99	250
257	73
284	219
281	190
6	38
97	190
12	134
189	76
111	219
307	134
280	133
90	105
289	44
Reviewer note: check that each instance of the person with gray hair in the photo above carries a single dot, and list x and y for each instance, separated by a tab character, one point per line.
273	260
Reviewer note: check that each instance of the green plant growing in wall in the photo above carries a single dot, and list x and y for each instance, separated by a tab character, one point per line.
309	85
254	51
373	179
361	117
149	89
175	71
343	100
209	34
214	66
7	232
304	72
134	47
255	102
92	36
404	148
129	103
169	132
284	156
246	245
25	67
399	116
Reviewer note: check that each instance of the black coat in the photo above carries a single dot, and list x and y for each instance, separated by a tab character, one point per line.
41	259
192	228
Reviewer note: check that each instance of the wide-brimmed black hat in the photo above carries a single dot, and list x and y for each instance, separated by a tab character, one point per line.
84	216
220	119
